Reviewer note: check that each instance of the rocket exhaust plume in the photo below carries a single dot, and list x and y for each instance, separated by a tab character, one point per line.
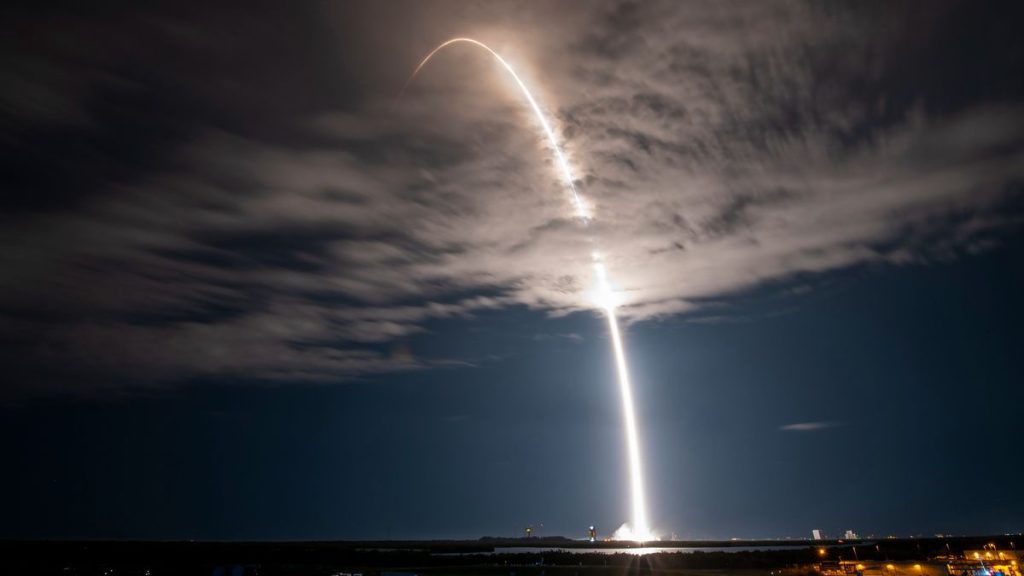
606	297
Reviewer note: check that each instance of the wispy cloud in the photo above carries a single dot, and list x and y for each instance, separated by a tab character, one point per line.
811	426
571	336
721	148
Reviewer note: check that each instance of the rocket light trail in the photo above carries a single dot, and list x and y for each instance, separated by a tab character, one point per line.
563	165
640	530
605	298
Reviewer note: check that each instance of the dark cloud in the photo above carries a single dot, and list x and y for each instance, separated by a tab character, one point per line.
235	191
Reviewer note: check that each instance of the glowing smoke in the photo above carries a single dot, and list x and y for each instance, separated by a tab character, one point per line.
605	297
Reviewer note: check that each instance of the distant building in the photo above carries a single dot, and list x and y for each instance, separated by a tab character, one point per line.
851	535
816	533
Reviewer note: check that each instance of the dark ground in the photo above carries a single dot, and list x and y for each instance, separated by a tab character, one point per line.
465	557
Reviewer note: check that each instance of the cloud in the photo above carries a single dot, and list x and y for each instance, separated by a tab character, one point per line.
271	222
571	336
810	426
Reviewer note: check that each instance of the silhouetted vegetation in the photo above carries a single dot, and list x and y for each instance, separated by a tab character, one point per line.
487	556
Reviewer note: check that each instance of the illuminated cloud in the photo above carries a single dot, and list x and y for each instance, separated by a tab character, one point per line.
314	226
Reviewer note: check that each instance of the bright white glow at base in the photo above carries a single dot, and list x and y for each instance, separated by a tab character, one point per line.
626	532
604	297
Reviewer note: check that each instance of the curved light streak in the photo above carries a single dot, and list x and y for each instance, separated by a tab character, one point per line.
606	298
563	165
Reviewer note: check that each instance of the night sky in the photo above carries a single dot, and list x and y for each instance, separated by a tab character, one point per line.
247	292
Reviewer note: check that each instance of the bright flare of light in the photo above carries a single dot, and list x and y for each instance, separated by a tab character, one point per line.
626	533
605	298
